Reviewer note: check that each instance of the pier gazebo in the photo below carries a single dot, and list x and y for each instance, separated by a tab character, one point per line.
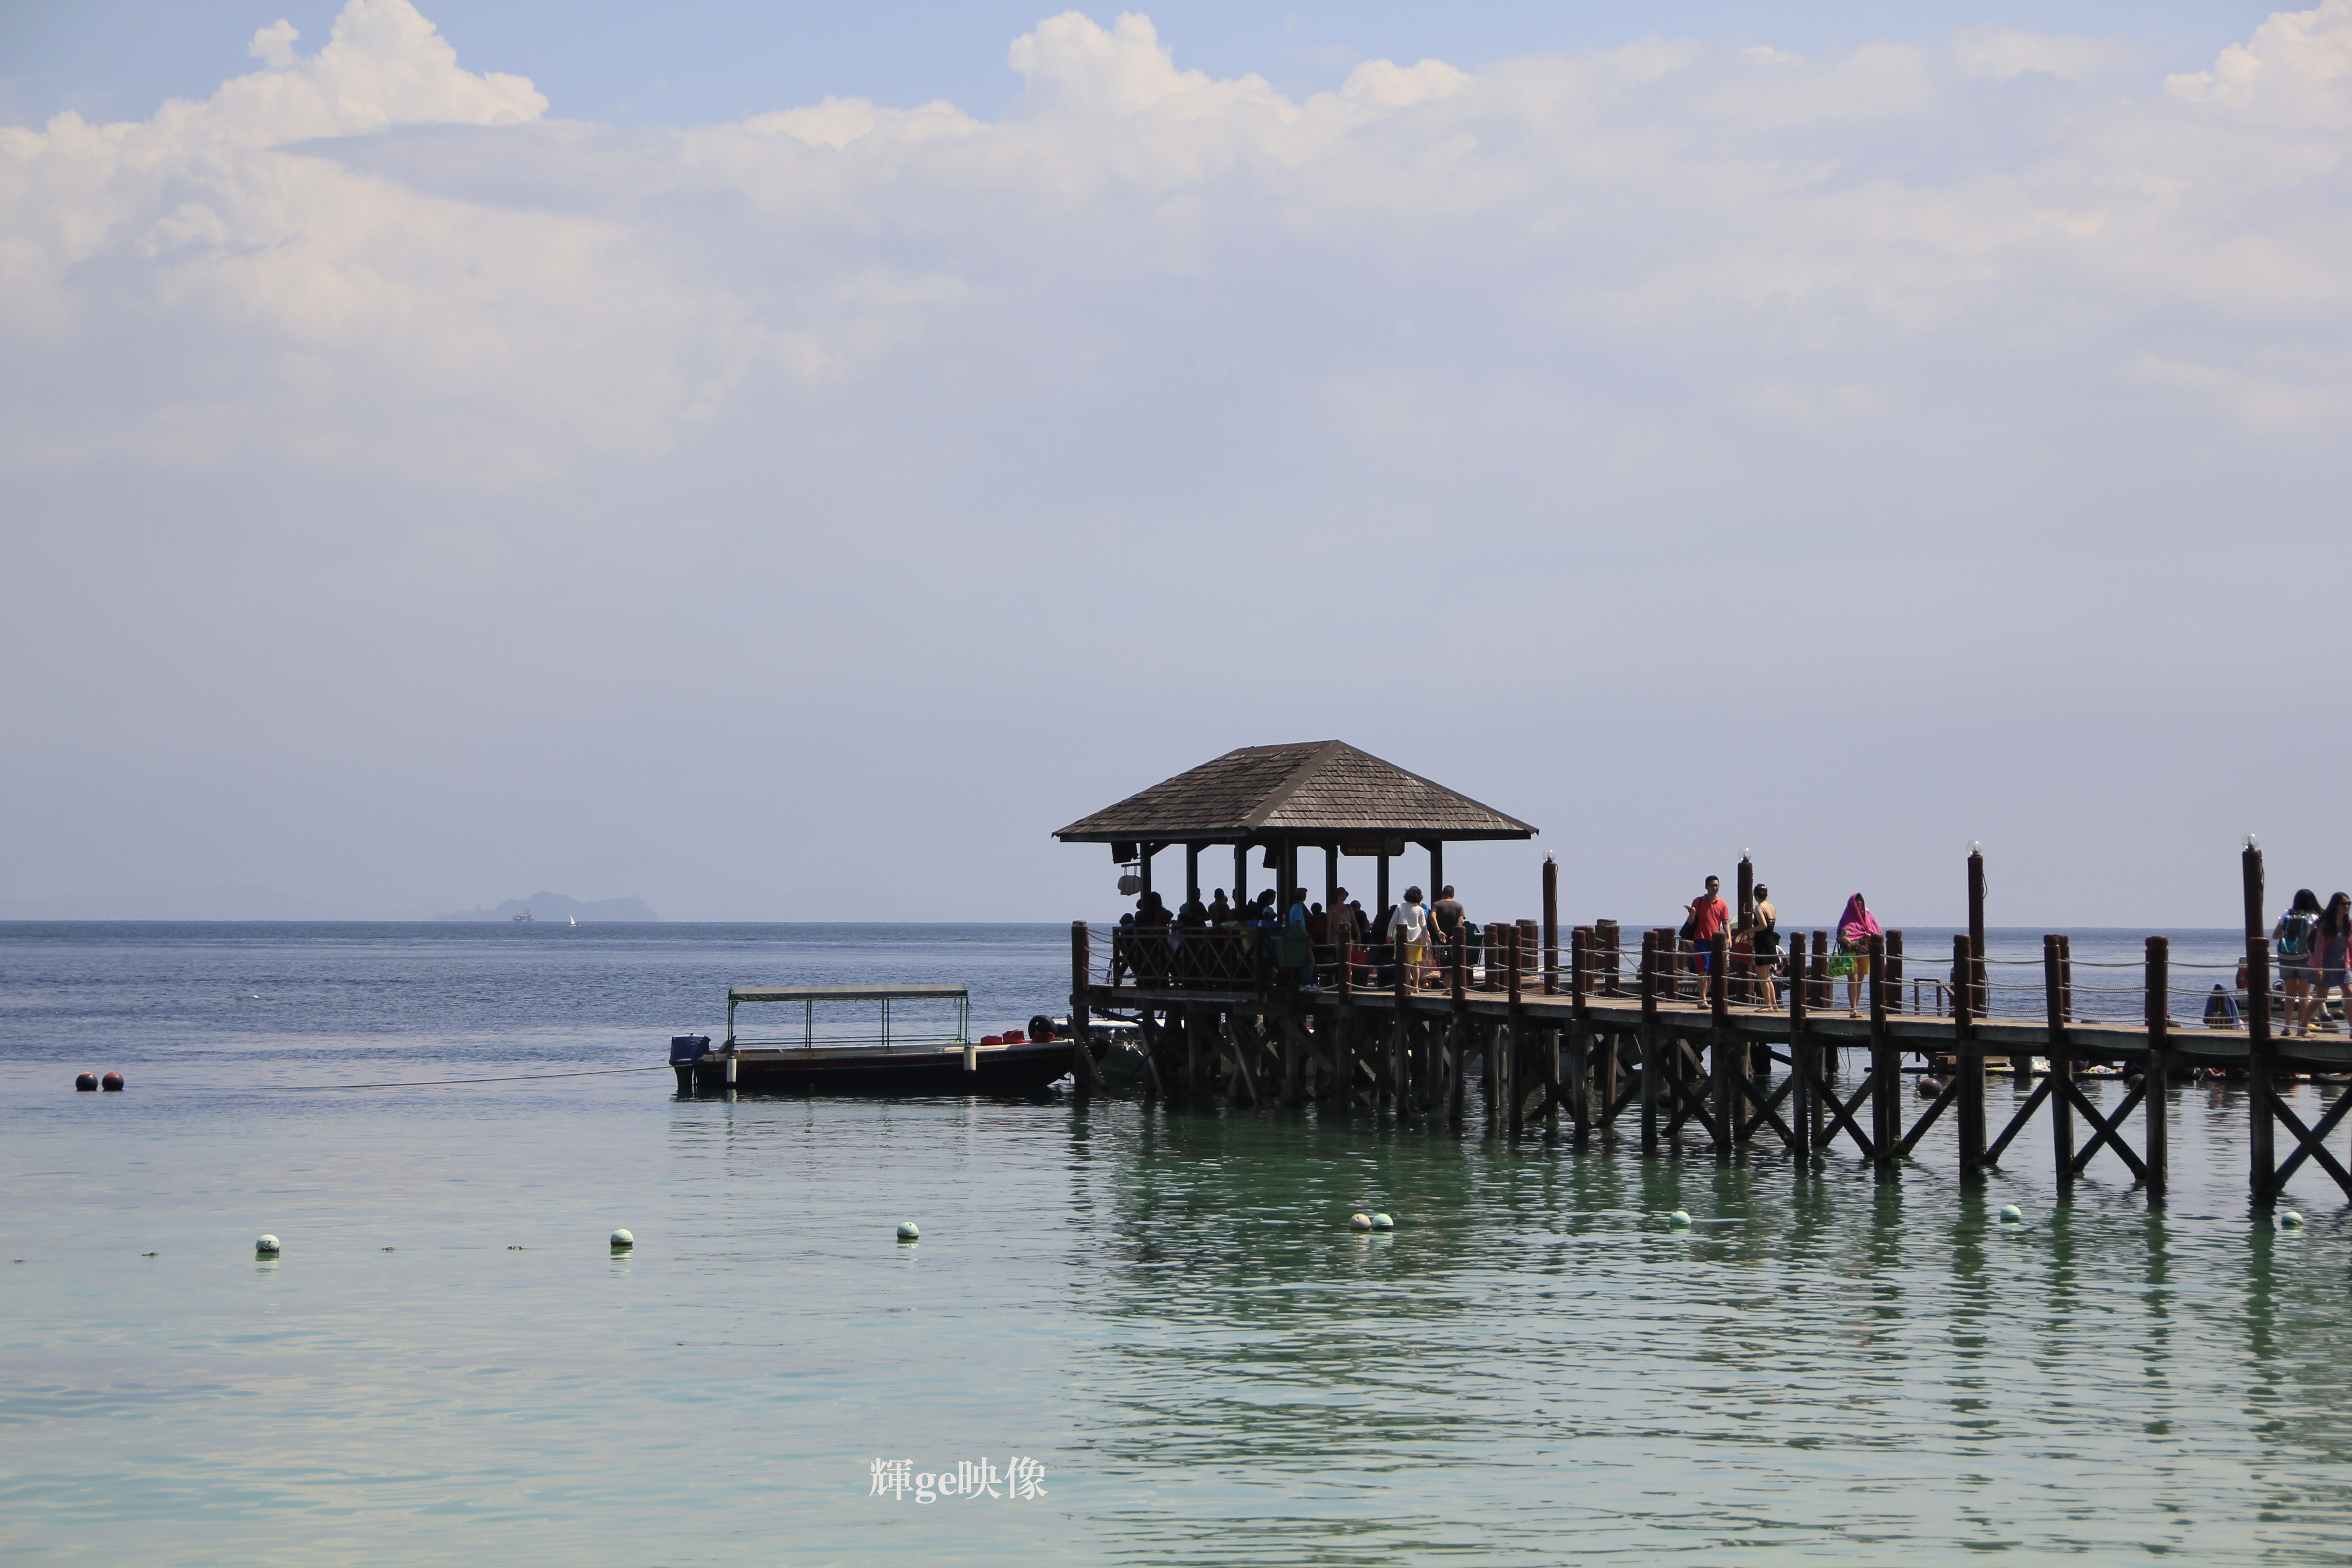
1307	794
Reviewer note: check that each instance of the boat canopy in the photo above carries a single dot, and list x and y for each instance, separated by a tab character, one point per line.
946	1023
843	993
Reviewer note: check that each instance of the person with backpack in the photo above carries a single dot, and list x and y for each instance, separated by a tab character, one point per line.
2292	940
2331	944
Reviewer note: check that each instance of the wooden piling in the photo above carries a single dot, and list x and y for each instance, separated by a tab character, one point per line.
2261	1063
1981	1002
2061	1061
1550	927
1886	1082
1082	1062
2066	976
1604	932
1723	1047
1650	1051
1824	994
2157	1149
1801	1095
1970	1063
1399	1079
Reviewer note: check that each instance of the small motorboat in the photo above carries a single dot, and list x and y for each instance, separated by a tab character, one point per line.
927	1048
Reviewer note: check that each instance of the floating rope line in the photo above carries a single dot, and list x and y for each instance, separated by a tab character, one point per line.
437	1082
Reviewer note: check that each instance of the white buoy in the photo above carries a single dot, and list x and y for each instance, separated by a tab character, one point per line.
1382	1221
1679	1220
267	1244
1359	1222
2291	1220
2011	1215
623	1241
910	1231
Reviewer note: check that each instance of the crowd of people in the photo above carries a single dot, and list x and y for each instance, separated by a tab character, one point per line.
1299	937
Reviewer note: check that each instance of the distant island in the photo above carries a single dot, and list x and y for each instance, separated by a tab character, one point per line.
557	907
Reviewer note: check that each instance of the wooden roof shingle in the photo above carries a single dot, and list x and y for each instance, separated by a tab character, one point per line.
1305	790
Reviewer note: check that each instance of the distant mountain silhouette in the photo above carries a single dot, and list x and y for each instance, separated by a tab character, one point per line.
547	905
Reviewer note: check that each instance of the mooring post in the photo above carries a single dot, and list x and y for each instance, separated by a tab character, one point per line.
1801	1053
1550	927
1885	1083
2062	1064
1819	978
1726	1102
2261	1067
2160	1061
1604	932
1650	1052
1968	1060
1895	969
1979	1003
1082	1062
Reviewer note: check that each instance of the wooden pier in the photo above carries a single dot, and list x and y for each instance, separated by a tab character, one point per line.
1598	1034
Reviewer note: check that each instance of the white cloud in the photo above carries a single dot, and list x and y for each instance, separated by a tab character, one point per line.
378	257
2298	68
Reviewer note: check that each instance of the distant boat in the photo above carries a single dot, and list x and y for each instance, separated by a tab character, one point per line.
524	916
575	920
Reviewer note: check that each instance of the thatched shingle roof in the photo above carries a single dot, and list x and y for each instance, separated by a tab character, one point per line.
1310	791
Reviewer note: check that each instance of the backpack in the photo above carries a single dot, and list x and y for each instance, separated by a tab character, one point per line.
2295	933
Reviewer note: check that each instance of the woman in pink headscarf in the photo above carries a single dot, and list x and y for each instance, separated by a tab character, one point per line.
1856	928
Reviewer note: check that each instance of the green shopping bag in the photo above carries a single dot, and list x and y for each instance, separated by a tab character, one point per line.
1841	966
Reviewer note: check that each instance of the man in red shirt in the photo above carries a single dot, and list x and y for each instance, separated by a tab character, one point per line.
1708	915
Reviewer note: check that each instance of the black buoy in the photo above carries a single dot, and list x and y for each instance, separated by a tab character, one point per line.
86	1082
112	1083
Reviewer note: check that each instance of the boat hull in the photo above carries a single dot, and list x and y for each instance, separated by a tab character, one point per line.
994	1069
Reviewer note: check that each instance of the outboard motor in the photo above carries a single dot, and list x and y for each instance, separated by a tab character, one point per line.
685	1050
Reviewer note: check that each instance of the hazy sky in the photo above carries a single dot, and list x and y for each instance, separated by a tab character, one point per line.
783	461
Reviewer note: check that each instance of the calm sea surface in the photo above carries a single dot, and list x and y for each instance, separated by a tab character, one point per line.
1167	1311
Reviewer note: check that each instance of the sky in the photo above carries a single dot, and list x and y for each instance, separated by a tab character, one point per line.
782	461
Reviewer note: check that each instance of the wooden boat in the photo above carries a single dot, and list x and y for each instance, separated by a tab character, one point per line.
907	1056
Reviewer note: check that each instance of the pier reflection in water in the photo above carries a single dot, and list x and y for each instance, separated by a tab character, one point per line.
1533	1362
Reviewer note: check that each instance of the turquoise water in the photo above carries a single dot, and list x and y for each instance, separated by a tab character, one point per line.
1165	1310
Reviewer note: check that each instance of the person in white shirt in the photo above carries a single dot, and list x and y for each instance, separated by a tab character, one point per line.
1411	936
